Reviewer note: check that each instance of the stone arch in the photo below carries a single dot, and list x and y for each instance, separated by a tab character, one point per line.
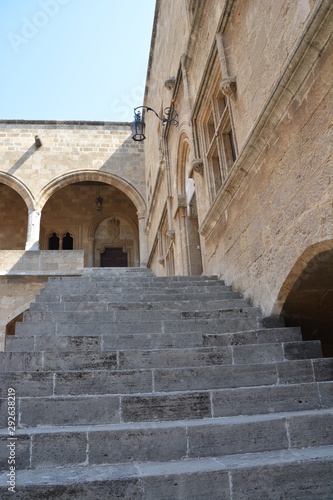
112	213
129	245
187	215
306	297
182	155
20	188
299	266
94	176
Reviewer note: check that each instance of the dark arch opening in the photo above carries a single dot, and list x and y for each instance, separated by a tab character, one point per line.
67	242
310	302
54	242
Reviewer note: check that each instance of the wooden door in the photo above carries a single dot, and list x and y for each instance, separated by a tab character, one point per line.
114	257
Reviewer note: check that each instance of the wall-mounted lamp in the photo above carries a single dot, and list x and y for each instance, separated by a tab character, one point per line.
138	126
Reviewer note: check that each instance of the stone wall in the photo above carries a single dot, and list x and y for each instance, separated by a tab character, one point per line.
275	200
67	148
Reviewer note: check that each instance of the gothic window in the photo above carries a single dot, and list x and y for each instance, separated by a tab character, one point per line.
67	242
54	242
216	138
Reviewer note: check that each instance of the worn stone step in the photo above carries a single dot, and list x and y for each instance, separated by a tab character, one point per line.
146	278
72	303
101	314
149	341
241	476
163	326
134	297
164	380
103	342
134	286
107	409
119	443
158	358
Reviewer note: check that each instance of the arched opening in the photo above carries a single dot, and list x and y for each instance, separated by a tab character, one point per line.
309	303
54	242
79	216
67	242
14	219
188	214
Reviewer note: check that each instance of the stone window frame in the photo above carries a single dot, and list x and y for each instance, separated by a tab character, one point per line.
61	235
216	135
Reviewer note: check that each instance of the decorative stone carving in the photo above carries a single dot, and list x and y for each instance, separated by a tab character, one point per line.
228	87
171	235
170	83
197	166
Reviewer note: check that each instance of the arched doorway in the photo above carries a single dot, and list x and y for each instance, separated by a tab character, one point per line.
116	241
309	304
187	212
75	212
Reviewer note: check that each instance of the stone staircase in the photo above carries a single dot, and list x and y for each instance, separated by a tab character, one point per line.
132	386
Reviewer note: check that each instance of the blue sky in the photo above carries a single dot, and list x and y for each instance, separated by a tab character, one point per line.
73	59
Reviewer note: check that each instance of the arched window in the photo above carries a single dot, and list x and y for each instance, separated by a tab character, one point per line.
67	242
54	241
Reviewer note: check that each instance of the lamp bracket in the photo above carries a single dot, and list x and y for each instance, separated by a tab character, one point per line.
170	115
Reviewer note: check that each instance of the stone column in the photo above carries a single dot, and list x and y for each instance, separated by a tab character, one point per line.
32	243
91	252
142	238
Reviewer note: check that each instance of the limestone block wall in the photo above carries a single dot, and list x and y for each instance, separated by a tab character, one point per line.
69	147
14	219
276	198
15	296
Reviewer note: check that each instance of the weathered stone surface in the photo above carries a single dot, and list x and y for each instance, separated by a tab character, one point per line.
137	445
69	411
276	399
165	407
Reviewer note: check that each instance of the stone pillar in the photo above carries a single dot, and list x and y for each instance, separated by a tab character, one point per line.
142	238
91	252
32	243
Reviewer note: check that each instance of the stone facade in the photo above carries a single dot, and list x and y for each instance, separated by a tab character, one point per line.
242	188
253	91
49	187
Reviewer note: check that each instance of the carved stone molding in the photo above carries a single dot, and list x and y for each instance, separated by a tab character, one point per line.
171	235
228	87
181	200
197	166
170	83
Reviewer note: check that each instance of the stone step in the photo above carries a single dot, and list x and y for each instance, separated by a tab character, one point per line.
164	326
99	314
158	358
135	278
113	409
71	303
241	476
105	342
130	443
164	380
129	297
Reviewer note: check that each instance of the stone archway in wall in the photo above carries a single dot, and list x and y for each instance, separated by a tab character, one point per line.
307	295
115	231
16	202
73	210
187	212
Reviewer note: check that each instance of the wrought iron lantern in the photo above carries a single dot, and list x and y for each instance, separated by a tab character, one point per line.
138	126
